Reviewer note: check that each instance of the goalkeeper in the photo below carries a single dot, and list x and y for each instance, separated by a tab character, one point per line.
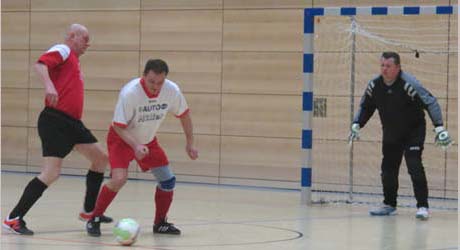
400	100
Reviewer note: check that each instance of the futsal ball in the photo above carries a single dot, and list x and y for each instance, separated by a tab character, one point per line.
126	231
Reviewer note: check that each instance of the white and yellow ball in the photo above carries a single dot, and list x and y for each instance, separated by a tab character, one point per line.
126	231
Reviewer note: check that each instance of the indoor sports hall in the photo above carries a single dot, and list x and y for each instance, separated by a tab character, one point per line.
272	88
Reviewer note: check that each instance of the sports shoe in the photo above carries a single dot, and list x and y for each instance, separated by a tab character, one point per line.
83	216
383	210
17	226
165	228
93	227
422	213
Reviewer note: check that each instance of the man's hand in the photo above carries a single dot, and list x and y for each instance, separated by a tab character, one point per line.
442	138
141	151
192	152
354	132
51	96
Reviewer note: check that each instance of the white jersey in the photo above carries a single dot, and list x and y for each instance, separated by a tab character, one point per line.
141	113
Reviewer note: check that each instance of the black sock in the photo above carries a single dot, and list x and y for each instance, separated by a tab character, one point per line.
32	192
93	184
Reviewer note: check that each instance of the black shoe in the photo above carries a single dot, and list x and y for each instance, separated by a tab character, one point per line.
93	227
83	216
17	225
165	228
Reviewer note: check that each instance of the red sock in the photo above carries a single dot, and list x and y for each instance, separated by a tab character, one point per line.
163	200
104	199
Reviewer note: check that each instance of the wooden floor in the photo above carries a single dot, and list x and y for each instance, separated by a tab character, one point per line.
220	217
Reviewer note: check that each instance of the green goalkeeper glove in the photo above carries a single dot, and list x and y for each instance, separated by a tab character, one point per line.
354	132
442	138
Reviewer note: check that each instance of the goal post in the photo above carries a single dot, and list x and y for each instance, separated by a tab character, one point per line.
308	104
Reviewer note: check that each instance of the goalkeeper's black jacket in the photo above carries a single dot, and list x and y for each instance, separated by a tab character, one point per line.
401	106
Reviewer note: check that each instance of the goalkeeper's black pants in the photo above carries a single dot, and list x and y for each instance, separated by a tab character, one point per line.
392	157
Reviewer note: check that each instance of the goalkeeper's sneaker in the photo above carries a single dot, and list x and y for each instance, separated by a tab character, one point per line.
422	213
83	216
383	210
93	227
165	228
17	226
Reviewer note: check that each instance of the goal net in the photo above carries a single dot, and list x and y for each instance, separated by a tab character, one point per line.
347	51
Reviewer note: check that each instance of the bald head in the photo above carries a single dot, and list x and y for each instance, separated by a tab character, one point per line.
77	38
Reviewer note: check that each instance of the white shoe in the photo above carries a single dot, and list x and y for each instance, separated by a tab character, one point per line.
422	213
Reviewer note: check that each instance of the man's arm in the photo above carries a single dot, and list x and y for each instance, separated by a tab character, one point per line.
187	126
51	94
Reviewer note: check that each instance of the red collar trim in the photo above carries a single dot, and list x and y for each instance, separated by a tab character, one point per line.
147	91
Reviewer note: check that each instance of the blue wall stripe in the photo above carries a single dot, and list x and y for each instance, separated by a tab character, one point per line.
306	177
444	10
307	63
307	101
411	10
347	11
306	139
379	10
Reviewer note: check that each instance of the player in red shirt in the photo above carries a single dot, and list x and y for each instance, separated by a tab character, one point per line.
60	127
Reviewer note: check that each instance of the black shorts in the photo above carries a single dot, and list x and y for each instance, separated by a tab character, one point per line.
60	132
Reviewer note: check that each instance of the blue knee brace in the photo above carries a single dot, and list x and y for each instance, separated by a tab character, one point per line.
168	185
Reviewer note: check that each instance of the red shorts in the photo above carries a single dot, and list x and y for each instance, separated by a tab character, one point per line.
121	154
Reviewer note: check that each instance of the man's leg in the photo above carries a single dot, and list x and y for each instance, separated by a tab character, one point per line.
417	173
106	196
392	157
98	158
163	199
33	191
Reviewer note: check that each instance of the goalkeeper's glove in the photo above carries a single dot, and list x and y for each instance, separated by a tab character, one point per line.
442	138
354	132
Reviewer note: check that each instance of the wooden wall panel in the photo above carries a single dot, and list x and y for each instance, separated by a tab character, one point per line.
402	37
267	4
181	4
277	30
15	5
84	5
198	30
248	115
208	147
106	70
192	71
453	32
452	170
332	78
15	30
262	73
336	124
14	107
15	69
453	76
332	34
330	162
36	105
366	164
14	146
108	30
98	109
452	119
260	158
205	113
